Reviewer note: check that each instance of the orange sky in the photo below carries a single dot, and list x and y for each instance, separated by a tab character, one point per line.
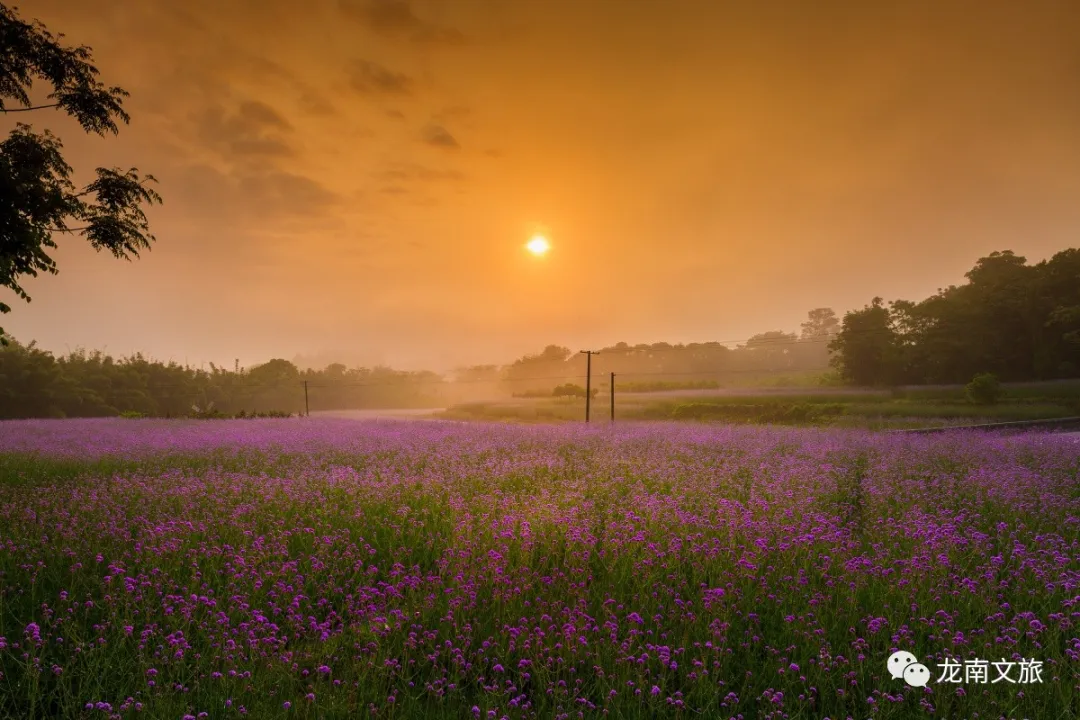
355	179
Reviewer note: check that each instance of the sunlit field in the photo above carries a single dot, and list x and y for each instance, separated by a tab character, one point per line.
331	568
900	408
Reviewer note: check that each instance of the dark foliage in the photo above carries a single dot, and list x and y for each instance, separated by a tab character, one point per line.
1014	320
984	389
35	384
570	390
37	197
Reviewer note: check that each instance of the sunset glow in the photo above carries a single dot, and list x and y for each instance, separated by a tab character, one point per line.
428	146
538	245
354	445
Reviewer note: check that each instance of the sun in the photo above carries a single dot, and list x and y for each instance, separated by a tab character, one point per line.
538	245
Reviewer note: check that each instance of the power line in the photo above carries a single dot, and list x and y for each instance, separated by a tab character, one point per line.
567	376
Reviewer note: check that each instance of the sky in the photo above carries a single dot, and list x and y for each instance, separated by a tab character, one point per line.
355	180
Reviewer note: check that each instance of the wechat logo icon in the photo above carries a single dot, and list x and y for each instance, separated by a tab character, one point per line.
903	664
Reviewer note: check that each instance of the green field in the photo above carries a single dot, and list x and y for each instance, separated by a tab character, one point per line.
872	409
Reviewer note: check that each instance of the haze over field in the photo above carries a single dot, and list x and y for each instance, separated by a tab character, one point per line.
355	181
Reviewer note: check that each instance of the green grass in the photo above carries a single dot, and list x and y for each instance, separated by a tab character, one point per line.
987	413
666	385
1057	391
912	407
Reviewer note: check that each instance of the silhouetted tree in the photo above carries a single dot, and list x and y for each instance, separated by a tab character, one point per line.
773	350
821	324
37	197
866	346
478	374
1017	321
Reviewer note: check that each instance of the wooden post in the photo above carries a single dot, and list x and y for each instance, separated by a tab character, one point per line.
588	380
588	384
307	410
612	397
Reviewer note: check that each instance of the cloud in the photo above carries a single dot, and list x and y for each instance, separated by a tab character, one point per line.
247	196
313	103
438	36
439	136
288	192
196	55
454	112
254	130
395	18
369	77
264	147
258	113
406	172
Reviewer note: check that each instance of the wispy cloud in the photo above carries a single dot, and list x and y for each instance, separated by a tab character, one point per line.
254	129
439	136
395	18
372	78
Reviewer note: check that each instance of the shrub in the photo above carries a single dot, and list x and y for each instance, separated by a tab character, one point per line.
984	389
254	415
532	394
572	390
132	414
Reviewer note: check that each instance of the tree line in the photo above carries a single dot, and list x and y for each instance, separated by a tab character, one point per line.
1010	319
763	355
35	383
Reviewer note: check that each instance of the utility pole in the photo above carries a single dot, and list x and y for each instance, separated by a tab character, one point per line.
588	379
612	397
307	410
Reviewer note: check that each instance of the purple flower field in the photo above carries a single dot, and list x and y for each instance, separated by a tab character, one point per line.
337	568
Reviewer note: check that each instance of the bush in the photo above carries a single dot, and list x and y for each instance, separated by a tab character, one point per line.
572	390
209	414
532	394
984	389
132	414
254	415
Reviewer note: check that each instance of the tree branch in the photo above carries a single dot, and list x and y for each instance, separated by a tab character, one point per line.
28	109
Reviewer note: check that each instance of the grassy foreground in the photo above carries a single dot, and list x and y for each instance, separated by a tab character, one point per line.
332	569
